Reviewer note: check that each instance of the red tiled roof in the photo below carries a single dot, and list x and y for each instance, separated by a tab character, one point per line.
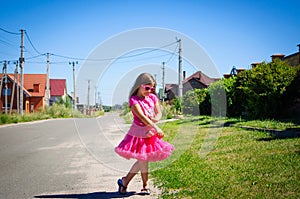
11	77
29	81
58	87
35	79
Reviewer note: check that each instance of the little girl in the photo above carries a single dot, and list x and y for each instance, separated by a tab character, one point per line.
143	140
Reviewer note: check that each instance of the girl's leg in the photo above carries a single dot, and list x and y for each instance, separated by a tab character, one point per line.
132	172
144	167
136	167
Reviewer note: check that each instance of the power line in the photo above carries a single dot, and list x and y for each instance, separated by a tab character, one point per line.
9	61
114	58
6	43
85	59
173	54
27	36
9	32
10	44
147	58
33	57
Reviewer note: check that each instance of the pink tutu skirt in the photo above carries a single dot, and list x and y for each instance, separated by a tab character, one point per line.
150	149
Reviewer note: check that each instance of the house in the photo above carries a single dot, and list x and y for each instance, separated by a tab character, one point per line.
34	91
197	80
58	90
293	59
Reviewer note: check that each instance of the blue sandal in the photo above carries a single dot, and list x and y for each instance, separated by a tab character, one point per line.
121	187
145	191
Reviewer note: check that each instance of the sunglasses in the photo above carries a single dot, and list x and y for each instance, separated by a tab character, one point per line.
147	88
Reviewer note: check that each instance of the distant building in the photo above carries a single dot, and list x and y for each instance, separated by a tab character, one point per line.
197	80
292	60
58	90
34	92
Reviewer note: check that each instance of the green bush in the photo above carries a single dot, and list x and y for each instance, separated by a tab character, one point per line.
98	113
192	99
128	117
4	119
260	90
167	111
177	104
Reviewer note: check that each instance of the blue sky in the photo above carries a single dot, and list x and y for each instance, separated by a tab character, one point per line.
232	33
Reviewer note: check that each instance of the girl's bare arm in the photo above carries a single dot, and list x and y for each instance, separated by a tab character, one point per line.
137	110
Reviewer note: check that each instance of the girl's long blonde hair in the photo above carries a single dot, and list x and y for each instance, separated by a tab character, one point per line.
144	78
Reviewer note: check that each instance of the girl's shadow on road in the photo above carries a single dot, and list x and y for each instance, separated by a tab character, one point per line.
95	195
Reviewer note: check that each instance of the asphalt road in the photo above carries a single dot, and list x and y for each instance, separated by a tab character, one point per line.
65	158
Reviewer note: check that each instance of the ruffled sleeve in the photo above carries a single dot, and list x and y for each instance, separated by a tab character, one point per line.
133	100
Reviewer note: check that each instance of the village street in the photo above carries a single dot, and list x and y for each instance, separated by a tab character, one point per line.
64	158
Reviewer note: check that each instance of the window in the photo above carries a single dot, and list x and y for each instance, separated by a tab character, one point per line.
4	91
3	105
36	88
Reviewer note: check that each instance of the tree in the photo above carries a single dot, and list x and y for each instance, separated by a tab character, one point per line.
192	99
176	104
259	91
65	101
228	84
218	99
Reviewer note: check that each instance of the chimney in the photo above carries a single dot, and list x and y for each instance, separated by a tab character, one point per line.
277	56
239	70
253	65
226	76
298	53
184	75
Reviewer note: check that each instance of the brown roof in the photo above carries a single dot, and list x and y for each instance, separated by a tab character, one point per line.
201	77
170	86
198	76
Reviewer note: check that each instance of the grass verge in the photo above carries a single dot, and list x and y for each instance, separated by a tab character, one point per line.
55	111
241	164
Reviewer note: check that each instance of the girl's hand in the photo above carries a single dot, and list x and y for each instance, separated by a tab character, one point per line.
160	134
149	134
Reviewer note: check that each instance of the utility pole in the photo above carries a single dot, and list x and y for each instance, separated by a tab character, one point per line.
2	78
21	61
48	81
179	71
95	96
74	84
99	100
88	97
18	89
163	82
13	90
6	88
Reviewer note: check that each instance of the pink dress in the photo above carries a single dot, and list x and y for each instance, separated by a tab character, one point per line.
135	143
